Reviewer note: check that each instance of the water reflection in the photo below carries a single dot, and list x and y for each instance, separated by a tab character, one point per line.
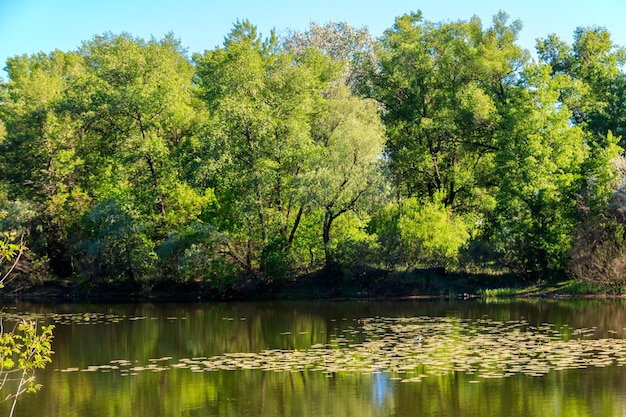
382	387
151	359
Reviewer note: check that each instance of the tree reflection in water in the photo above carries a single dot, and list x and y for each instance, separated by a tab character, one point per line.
333	359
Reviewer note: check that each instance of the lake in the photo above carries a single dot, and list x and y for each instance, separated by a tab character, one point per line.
352	358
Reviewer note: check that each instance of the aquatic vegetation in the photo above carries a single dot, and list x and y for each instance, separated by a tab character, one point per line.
413	348
498	292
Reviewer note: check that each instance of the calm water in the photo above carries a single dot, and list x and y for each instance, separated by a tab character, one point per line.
522	358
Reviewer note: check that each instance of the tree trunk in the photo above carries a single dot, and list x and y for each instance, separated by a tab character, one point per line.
328	221
161	198
129	265
296	223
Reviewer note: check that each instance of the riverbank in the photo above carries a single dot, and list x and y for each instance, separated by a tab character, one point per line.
382	284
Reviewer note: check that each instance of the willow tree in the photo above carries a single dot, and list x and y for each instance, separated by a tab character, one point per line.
264	101
353	48
296	145
345	173
101	127
136	111
136	108
442	86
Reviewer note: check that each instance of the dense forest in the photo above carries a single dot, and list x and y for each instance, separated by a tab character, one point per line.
267	159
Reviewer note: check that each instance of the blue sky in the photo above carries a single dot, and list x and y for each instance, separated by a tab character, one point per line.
30	26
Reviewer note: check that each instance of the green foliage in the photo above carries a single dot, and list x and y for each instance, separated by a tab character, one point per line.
498	292
345	175
431	234
354	248
441	85
354	48
580	287
3	131
127	162
597	63
105	126
274	260
539	164
264	102
421	234
307	248
14	221
295	141
10	253
136	108
119	247
603	176
198	253
22	351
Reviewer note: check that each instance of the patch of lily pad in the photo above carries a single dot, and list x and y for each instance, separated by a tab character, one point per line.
78	318
414	348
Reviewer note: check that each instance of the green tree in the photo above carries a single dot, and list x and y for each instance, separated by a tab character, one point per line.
345	172
353	48
106	123
420	234
264	101
118	247
38	156
135	108
596	62
442	86
297	143
129	114
540	165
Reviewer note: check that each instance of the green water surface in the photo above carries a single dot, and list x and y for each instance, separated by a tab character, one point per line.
475	358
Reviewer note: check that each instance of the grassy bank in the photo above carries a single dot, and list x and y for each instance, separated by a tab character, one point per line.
429	282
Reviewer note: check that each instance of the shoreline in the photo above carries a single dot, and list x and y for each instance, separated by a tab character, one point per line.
373	285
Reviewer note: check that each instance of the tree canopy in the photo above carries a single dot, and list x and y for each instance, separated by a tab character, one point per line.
127	162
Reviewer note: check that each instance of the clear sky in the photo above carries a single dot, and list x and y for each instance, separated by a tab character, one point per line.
30	26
